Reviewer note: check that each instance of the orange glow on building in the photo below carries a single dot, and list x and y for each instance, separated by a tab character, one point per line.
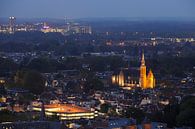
145	81
147	126
114	79
2	81
66	111
68	108
121	78
150	80
131	127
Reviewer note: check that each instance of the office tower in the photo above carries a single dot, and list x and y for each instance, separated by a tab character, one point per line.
12	21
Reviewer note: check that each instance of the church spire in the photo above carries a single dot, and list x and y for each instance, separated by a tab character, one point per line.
143	60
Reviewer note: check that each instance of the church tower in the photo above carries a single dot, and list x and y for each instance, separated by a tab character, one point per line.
143	79
121	78
150	80
146	81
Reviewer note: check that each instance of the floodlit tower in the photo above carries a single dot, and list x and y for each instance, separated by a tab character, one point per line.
121	78
150	80
143	80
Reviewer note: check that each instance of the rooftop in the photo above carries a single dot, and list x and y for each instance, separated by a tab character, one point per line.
65	108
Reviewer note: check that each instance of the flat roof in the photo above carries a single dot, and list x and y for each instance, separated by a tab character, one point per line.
64	108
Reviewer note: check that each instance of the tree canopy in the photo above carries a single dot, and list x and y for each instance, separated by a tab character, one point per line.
29	80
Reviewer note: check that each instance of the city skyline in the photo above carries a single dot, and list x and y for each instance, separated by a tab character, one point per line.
94	64
89	9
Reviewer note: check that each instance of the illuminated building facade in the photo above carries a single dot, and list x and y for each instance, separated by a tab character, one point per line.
146	81
85	30
12	21
143	80
129	78
67	111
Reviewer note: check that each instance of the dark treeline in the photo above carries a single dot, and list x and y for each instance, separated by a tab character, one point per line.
176	66
160	27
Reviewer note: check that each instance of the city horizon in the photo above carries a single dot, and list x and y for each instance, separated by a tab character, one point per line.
4	20
97	64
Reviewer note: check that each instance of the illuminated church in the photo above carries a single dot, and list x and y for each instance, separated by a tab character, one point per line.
135	77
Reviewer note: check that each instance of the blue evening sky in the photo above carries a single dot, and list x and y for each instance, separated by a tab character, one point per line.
97	8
